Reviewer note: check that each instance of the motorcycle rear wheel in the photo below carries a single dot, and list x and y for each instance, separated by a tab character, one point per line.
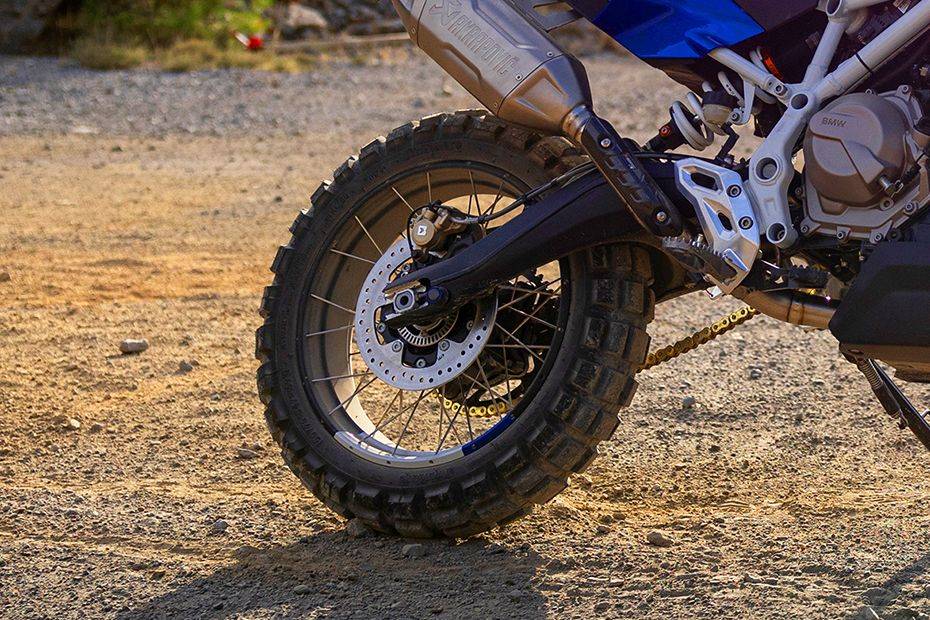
517	442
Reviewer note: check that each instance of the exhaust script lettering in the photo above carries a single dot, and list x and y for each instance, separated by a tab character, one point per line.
476	40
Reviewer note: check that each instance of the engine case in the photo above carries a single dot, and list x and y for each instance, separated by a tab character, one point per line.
853	149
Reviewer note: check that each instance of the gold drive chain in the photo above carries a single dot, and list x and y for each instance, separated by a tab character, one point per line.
697	339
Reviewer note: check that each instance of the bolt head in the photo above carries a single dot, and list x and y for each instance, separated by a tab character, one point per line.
745	223
606	143
444	345
397	347
910	207
734	190
381	327
661	217
421	363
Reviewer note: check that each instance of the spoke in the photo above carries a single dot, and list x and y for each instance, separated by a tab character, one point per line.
517	346
527	296
532	317
347	255
384	423
474	193
404	199
359	374
331	303
517	340
357	391
540	291
452	420
497	199
368	234
329	331
507	380
407	423
384	415
429	188
494	395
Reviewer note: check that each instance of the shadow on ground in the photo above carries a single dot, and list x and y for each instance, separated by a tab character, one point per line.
883	600
330	576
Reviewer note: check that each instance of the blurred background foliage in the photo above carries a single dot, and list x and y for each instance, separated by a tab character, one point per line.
176	35
161	23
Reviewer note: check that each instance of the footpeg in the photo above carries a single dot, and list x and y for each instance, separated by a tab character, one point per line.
893	400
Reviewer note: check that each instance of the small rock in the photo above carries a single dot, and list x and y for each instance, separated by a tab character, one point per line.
603	529
356	529
72	424
413	550
602	606
246	454
755	373
96	427
185	367
659	539
219	526
515	595
5	276
688	402
130	346
301	589
818	382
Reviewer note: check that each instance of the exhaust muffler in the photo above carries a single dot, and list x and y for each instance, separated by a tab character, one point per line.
515	69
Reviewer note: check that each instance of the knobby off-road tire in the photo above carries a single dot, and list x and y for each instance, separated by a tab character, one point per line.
556	435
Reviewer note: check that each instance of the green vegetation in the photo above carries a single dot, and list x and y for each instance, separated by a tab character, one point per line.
161	23
177	35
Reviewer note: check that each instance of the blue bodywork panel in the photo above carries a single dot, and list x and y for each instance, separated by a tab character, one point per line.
672	29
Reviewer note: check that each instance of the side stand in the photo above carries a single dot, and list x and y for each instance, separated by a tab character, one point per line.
894	401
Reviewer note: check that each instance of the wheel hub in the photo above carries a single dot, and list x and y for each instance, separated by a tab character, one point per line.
417	357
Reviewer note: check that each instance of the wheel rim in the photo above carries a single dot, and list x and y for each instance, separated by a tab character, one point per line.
395	420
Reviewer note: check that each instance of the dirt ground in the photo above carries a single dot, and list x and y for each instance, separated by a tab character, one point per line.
133	488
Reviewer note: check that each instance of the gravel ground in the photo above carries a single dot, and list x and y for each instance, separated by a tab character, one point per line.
148	205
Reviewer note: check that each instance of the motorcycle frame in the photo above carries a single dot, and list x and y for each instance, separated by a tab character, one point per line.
769	191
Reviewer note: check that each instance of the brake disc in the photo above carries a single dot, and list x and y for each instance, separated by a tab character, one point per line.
441	354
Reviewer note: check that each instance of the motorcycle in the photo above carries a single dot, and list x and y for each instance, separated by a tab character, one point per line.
456	322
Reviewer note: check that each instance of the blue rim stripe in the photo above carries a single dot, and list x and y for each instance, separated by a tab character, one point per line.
489	435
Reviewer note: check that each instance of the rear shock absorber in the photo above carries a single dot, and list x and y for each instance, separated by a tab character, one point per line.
697	121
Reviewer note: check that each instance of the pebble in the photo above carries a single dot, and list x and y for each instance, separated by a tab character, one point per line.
130	346
302	589
413	550
602	606
357	529
185	367
246	454
219	526
755	373
72	424
96	427
688	402
5	276
659	539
